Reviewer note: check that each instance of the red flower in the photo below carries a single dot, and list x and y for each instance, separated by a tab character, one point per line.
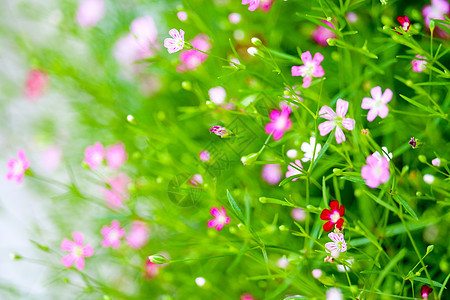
404	21
333	216
425	291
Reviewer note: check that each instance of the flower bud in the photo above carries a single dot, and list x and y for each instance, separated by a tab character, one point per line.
430	249
256	42
14	256
432	25
158	259
422	158
331	42
187	85
249	159
252	51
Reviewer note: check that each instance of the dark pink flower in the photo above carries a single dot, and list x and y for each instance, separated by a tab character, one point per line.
94	155
321	34
220	218
376	171
280	122
404	21
17	167
247	296
220	131
311	68
151	269
112	235
116	155
139	235
191	59
77	251
90	12
266	5
425	291
36	84
419	65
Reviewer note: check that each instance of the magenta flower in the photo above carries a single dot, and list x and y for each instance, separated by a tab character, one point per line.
36	83
17	167
254	4
376	171
280	122
377	104
404	21
176	43
138	235
311	68
337	245
117	191
116	155
191	59
77	252
266	5
425	291
90	12
220	131
94	155
220	218
436	10
337	120
293	169
419	65
112	235
204	155
271	173
151	269
321	34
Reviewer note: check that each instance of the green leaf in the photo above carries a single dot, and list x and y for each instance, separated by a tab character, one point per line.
419	105
265	200
237	210
353	179
426	281
407	207
381	202
42	247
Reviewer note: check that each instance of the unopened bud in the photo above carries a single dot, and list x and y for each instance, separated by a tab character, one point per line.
187	85
432	25
331	42
252	51
249	159
256	42
430	249
422	158
14	256
158	259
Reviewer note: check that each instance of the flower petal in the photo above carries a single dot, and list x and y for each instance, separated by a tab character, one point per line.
387	96
341	107
348	123
326	127
318	58
88	251
298	70
334	205
383	111
339	134
79	263
215	212
376	93
318	71
372	114
327	112
78	238
67	245
68	260
328	226
307	81
306	57
367	103
325	214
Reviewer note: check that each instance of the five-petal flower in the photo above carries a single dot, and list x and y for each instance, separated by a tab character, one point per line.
311	68
377	104
17	167
280	122
376	171
333	216
220	218
337	245
77	251
176	43
336	119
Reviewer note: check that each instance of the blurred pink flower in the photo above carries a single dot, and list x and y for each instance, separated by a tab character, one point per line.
321	34
425	291
90	12
254	4
139	235
311	68
234	18
376	171
334	294
52	157
36	83
117	191
191	59
17	167
436	162
217	95
176	43
182	16
351	17
419	65
247	296
220	218
336	119
338	245
298	214
204	155
271	173
280	122
436	10
266	5
294	170
196	180
112	235
377	104
151	269
116	155
77	251
94	155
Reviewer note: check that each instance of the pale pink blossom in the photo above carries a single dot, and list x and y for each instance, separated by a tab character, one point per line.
94	155
283	262
271	173
17	167
337	245
139	235
36	84
217	95
176	43
182	16
220	218
112	235
419	65
294	169
352	17
308	149
292	153
317	273
77	251
266	5
334	294
311	68
336	119
376	171
90	12
377	104
298	214
234	18
117	192
191	59
436	162
254	4
151	269
321	34
204	155
196	180
52	157
116	155
428	178
436	10
280	122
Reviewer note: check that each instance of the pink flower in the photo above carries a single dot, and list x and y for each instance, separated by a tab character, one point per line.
404	21
247	296
116	155
234	18
419	65
280	122
94	155
196	180
436	10
337	120
293	169
254	4
338	245
204	155
321	34
436	162
217	95
298	214
112	234
90	12
37	82
311	68
151	269
220	218
77	252
266	5
334	294
139	235
377	104
271	173
176	43
425	291
352	17
191	59
182	16
52	157
376	171
17	167
118	191
220	131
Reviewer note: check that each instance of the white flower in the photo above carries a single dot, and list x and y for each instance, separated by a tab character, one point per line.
436	162
283	262
291	153
217	95
200	281
309	149
334	294
176	43
338	245
386	154
428	178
